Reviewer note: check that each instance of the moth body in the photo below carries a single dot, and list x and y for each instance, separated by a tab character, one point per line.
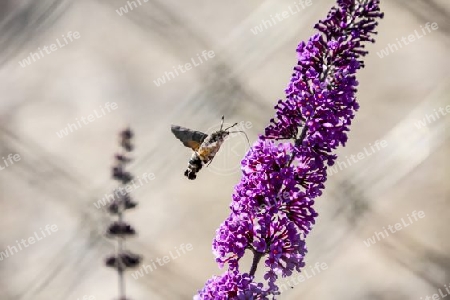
205	147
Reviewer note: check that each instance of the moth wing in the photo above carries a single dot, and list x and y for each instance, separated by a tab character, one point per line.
190	138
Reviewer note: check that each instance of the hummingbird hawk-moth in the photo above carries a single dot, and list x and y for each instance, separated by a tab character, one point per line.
205	146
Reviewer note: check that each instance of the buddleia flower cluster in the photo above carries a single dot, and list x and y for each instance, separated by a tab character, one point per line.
272	208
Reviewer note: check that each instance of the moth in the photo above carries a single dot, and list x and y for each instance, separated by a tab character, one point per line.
205	147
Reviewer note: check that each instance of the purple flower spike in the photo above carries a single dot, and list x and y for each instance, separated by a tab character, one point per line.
286	168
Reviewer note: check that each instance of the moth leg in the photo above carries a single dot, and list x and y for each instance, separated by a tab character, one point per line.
210	161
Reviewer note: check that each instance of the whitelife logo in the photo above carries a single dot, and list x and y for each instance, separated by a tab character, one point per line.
432	117
228	160
145	269
279	17
71	127
184	68
378	236
108	198
405	41
131	4
31	240
34	56
9	161
368	151
439	296
303	276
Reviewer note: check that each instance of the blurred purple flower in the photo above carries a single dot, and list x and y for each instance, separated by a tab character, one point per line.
272	207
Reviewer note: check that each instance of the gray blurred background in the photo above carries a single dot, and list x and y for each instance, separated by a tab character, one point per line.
117	59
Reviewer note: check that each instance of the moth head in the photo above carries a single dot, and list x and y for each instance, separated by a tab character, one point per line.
223	133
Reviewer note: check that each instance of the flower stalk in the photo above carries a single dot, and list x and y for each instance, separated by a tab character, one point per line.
120	229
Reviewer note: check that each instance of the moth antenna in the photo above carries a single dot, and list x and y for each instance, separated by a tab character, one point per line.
229	127
240	131
221	124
